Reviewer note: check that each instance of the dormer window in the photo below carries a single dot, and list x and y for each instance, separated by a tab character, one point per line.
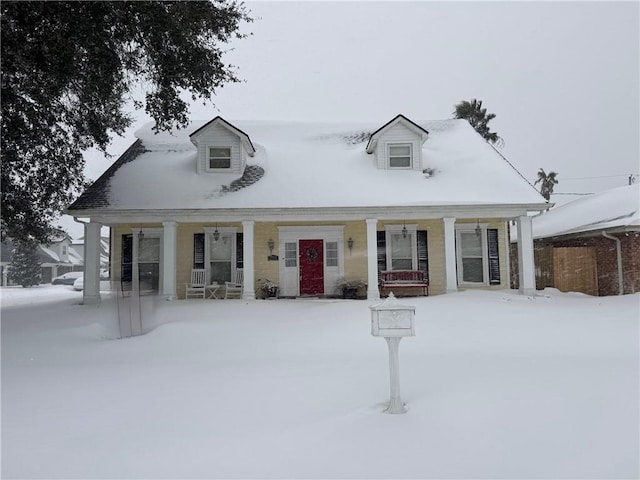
222	148
400	155
219	158
397	145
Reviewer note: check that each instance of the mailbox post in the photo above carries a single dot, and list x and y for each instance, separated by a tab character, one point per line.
393	321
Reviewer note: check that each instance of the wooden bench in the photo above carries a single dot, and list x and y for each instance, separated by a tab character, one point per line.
401	279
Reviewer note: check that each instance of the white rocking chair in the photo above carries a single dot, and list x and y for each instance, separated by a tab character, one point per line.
196	289
233	288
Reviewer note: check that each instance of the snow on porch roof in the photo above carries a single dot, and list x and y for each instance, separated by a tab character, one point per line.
611	209
311	166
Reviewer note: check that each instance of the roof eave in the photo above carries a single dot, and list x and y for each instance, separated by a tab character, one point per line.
468	211
587	233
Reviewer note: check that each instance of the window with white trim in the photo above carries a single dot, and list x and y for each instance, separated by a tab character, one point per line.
220	254
149	262
401	247
399	155
471	257
477	255
331	257
291	254
219	158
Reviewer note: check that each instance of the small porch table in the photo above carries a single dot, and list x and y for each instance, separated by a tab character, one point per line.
212	289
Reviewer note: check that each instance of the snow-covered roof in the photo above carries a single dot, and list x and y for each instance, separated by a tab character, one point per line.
75	258
310	165
51	256
611	209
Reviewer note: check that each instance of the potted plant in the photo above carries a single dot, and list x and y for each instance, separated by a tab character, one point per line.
268	288
349	288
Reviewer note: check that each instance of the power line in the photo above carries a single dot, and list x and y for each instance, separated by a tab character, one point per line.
572	193
601	176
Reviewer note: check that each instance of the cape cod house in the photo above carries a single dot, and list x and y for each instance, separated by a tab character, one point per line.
306	205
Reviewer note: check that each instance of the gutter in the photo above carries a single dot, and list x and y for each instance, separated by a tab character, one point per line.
619	255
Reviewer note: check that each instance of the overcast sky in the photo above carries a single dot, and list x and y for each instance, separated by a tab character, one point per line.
561	77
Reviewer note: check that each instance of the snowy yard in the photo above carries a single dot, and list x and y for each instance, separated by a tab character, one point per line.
497	385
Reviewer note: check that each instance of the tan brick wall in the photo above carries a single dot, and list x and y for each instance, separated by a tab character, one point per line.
435	239
184	254
265	268
355	261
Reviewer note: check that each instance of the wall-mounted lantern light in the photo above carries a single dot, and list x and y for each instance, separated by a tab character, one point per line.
140	235
350	244
478	229
404	230
271	245
216	234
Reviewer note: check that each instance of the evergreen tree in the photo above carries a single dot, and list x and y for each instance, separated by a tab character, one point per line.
478	118
67	72
25	268
547	183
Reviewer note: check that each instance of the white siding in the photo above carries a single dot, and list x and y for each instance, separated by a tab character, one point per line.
398	133
218	136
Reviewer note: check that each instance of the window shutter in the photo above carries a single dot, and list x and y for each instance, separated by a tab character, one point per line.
198	250
423	253
239	250
127	258
381	238
494	257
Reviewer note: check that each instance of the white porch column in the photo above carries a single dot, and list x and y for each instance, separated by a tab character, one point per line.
91	289
170	235
248	291
373	293
526	266
450	254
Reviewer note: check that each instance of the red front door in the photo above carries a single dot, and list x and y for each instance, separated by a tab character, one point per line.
311	267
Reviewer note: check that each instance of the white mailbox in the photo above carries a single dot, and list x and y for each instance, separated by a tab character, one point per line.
391	319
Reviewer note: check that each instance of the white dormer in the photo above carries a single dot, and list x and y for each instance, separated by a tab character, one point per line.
222	148
397	145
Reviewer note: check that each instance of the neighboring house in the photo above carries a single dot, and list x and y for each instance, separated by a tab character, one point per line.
57	258
592	244
305	205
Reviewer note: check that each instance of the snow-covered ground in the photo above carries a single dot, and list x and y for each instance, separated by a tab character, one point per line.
497	385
